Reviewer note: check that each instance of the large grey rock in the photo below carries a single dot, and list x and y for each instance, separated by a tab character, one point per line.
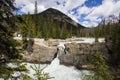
80	54
41	54
74	54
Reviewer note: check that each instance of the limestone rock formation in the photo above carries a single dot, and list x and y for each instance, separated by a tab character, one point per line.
41	54
74	54
79	54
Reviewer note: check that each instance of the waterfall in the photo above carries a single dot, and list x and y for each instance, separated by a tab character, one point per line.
61	72
58	71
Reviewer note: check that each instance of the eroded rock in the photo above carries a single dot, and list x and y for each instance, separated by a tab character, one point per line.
74	54
41	54
79	54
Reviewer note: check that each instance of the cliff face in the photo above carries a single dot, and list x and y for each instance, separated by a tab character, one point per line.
75	54
79	55
40	54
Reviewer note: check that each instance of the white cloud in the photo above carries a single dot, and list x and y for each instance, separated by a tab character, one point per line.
44	4
29	5
73	17
21	2
84	10
28	8
106	8
85	23
116	8
89	24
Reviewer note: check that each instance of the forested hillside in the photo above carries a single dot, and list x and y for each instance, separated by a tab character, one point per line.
49	24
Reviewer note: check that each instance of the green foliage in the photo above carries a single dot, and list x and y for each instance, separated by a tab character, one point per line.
100	67
28	28
36	11
4	72
7	71
89	77
7	26
24	43
100	71
46	29
26	77
39	74
96	32
45	26
116	44
8	45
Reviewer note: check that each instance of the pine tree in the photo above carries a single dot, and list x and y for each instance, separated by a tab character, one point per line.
36	17
100	68
36	10
96	32
8	45
116	44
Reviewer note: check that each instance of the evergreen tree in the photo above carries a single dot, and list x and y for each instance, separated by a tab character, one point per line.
36	10
116	44
96	32
36	18
100	68
8	45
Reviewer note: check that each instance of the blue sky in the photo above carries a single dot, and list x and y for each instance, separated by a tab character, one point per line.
86	12
93	3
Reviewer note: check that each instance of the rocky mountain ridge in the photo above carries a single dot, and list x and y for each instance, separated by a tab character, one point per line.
110	19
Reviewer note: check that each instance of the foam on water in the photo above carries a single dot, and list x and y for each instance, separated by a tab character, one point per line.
55	70
60	72
82	40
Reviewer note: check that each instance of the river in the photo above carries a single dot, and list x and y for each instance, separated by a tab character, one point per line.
58	71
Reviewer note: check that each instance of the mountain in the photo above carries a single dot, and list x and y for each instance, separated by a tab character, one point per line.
51	23
109	20
58	15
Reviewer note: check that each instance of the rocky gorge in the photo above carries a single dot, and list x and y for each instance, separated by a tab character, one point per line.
71	54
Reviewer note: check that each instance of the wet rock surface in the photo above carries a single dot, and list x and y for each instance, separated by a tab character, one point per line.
80	54
41	54
74	54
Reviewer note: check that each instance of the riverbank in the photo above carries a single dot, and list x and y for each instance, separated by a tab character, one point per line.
72	51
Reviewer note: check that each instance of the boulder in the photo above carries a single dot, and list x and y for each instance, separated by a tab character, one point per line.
40	54
79	54
74	54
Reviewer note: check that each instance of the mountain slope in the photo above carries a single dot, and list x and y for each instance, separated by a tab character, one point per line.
51	23
109	20
57	15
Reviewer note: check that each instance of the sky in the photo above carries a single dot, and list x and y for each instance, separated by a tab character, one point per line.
85	12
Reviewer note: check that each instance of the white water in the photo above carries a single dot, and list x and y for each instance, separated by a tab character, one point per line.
60	72
82	40
55	70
